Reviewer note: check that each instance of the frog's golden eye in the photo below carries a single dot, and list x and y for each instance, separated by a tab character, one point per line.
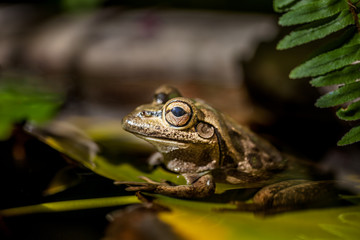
178	114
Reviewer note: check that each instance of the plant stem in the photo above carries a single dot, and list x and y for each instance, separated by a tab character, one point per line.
354	14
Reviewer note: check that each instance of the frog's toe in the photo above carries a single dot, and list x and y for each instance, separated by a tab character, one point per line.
147	187
130	183
148	180
163	182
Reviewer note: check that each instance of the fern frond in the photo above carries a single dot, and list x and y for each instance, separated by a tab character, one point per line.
340	96
327	62
283	5
311	11
348	74
350	113
350	137
317	30
339	65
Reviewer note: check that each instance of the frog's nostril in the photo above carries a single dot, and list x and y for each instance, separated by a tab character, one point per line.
145	113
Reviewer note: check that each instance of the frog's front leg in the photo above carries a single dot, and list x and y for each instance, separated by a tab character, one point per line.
292	195
197	187
155	160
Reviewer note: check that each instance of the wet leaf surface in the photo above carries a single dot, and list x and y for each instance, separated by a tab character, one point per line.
307	224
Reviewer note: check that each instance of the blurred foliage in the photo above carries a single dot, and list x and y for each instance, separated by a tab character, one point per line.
228	5
232	5
80	5
20	101
70	205
337	64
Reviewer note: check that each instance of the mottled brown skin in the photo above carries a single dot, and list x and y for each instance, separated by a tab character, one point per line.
205	146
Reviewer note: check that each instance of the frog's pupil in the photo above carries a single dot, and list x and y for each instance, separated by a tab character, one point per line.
178	111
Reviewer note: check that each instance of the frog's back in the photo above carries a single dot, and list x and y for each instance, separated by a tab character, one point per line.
252	158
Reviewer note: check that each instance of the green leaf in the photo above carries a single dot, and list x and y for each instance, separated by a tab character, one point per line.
21	102
317	30
342	231
341	40
341	95
71	141
327	62
355	40
281	5
350	137
351	113
302	3
70	205
231	225
312	11
351	218
63	179
348	74
5	128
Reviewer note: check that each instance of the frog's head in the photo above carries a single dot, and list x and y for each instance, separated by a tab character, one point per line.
186	131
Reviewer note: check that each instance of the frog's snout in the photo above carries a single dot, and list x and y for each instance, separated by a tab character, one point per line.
139	122
128	122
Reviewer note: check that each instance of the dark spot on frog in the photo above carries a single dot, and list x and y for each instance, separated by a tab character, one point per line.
228	161
237	140
254	161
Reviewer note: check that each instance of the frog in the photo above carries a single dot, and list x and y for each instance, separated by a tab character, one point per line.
207	147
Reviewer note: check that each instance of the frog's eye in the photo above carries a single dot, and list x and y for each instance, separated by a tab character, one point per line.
164	94
178	114
161	98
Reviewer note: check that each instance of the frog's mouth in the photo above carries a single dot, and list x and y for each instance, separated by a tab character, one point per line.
148	133
160	140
